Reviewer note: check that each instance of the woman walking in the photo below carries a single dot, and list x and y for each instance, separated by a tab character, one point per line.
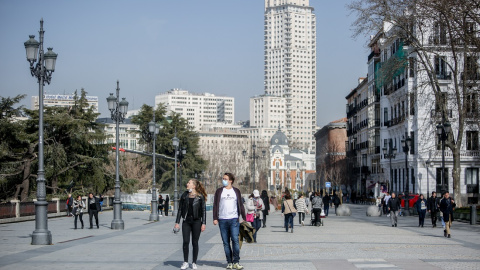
193	212
289	211
301	206
421	206
317	205
167	204
161	202
266	211
78	206
254	206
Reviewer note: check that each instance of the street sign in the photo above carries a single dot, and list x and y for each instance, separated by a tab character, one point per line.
328	184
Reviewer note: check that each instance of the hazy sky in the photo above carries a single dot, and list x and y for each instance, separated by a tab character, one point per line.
151	46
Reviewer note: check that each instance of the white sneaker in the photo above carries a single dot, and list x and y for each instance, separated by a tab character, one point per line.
303	224
184	266
194	266
388	215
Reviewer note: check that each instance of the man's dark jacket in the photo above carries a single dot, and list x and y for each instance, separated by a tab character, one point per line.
216	203
394	204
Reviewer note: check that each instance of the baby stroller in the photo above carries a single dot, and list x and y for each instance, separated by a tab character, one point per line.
312	218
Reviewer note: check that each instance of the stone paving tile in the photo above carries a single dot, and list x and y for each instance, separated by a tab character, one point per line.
356	242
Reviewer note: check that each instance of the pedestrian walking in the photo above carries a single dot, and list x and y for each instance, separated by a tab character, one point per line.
161	204
301	206
421	206
447	205
326	204
317	205
288	211
166	206
227	209
274	202
93	207
378	202
386	199
432	208
266	211
254	207
193	212
68	205
336	201
100	202
394	207
78	206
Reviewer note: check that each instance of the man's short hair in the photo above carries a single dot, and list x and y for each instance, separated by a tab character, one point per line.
230	176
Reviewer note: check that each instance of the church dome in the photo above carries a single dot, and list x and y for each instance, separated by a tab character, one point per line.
279	138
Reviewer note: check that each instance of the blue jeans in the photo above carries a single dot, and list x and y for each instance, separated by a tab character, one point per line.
229	229
257	224
288	221
325	208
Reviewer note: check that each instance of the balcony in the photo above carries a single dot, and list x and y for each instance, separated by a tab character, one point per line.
373	54
470	76
472	188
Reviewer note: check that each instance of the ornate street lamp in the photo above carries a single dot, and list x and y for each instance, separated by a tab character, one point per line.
118	112
151	135
42	70
176	143
253	157
406	143
390	153
442	131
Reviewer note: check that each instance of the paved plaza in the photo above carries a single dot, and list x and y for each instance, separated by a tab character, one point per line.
354	242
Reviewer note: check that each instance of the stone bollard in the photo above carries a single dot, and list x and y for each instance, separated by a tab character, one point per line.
473	214
373	211
344	210
58	204
17	207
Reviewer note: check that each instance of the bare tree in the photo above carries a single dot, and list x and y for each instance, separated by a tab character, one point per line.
440	42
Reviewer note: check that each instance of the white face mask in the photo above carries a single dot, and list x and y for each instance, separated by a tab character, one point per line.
225	182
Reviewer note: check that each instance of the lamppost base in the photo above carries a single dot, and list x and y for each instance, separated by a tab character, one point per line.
118	224
41	237
406	210
154	217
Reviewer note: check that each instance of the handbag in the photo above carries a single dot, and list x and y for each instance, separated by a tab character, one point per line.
250	217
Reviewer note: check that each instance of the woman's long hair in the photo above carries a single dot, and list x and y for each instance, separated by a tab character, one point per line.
199	188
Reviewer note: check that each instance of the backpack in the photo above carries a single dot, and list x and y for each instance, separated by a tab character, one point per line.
337	200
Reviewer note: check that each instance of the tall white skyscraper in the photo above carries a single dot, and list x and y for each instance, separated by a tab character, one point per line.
290	66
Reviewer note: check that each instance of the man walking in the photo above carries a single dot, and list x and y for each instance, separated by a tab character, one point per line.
227	208
93	207
386	199
432	208
394	207
447	205
326	204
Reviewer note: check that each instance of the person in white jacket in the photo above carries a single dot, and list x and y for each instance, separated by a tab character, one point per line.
302	208
254	206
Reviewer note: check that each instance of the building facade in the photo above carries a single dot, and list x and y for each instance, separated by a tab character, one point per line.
290	66
330	158
63	101
128	138
289	168
198	109
410	110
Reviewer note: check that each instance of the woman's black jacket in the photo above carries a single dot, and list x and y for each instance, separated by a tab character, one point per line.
199	208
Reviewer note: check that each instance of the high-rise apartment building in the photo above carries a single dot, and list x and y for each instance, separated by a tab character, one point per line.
198	109
290	66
